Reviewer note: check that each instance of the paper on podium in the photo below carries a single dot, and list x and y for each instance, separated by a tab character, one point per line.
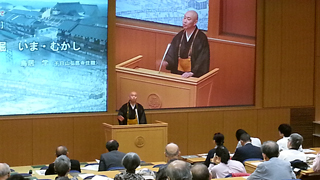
41	172
91	167
98	177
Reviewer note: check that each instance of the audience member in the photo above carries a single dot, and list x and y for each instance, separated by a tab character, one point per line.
284	132
62	165
218	140
247	151
62	150
17	177
113	158
224	166
254	141
172	153
294	142
4	171
179	170
273	167
200	171
130	161
316	163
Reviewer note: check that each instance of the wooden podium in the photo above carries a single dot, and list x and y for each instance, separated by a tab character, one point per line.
162	90
147	140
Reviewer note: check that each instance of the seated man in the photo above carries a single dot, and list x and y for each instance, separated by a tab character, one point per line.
62	165
272	168
172	153
179	170
4	171
200	172
247	151
294	142
112	158
62	150
224	166
254	141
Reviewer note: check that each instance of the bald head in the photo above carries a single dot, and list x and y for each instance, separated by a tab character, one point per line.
61	150
133	97
190	20
179	170
4	171
172	151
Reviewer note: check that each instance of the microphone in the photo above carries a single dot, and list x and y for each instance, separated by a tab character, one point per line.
164	55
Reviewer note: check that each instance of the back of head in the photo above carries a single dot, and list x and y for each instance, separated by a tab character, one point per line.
16	177
172	151
223	153
285	129
270	149
179	170
239	132
200	172
218	138
62	165
4	170
295	140
245	137
112	145
131	161
61	150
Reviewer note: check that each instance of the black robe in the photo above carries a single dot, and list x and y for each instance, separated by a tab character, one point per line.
200	56
132	113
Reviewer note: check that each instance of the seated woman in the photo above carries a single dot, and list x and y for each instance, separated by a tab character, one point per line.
130	161
224	165
294	142
218	140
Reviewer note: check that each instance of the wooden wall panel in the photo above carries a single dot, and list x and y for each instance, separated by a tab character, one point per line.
301	121
269	121
89	136
298	37
177	128
132	42
17	142
239	17
49	133
317	63
234	120
2	140
201	128
234	83
272	54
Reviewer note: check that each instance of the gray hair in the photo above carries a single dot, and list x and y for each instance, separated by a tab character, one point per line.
200	172
131	161
179	170
4	169
62	165
295	140
270	149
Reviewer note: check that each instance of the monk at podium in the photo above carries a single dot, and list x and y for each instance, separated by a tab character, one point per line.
189	53
132	112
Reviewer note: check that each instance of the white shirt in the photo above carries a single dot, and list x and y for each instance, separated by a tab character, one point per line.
254	141
222	170
283	144
292	154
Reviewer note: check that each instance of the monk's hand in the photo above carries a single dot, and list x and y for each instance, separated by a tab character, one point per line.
187	74
120	118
